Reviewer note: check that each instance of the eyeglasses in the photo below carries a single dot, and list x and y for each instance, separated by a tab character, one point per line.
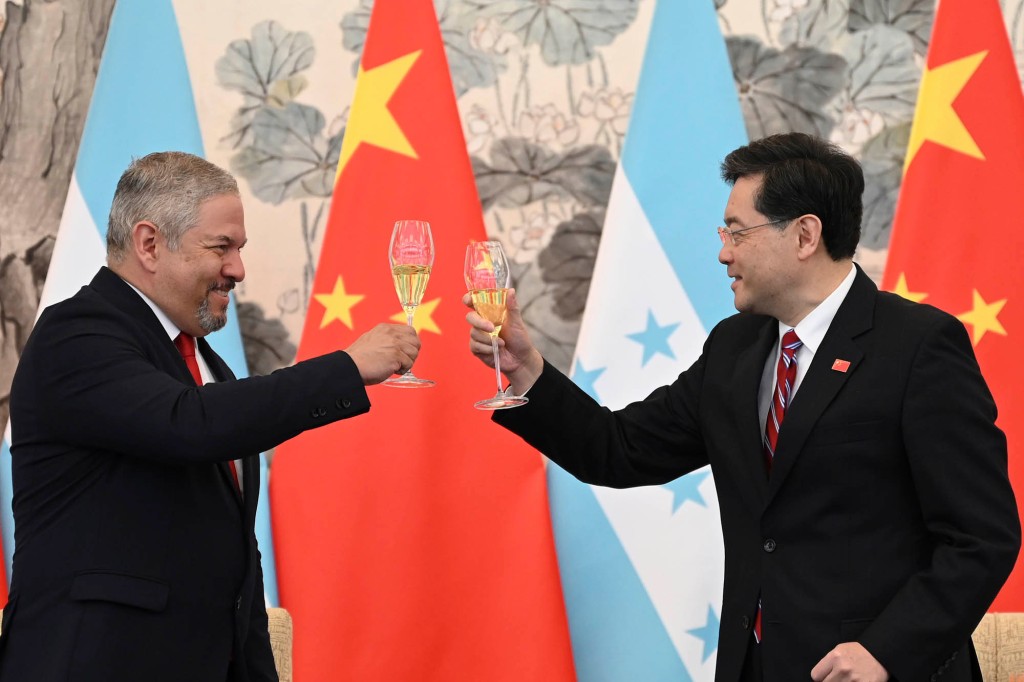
724	232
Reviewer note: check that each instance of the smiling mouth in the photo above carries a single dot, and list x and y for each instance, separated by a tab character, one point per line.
221	288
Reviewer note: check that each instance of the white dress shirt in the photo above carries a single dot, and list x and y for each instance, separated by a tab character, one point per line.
811	331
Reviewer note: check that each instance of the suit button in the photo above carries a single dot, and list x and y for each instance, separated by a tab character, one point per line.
343	403
745	622
769	545
322	411
314	413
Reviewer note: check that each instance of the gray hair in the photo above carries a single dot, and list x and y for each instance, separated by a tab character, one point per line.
166	189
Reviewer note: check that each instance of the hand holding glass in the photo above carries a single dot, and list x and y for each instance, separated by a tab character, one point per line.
412	256
487	277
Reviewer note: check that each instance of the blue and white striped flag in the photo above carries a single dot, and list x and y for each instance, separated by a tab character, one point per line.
142	103
642	568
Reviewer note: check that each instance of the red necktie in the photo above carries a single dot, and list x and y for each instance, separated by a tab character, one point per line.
785	379
186	345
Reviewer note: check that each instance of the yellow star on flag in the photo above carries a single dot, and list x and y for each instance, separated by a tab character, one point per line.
903	290
983	318
422	319
934	118
370	120
338	304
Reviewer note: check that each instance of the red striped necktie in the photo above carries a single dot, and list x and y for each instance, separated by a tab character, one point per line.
785	379
186	345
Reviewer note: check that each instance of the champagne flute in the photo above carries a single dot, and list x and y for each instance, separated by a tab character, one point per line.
487	278
411	255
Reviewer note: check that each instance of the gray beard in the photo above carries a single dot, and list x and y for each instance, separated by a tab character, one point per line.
207	320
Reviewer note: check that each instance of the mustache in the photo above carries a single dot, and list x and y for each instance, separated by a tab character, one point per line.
221	286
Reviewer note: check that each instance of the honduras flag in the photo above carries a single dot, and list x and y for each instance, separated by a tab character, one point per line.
142	103
642	568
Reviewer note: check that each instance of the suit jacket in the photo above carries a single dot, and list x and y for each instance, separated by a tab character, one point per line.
135	556
888	517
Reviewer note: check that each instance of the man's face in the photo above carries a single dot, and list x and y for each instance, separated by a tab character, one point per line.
762	263
193	282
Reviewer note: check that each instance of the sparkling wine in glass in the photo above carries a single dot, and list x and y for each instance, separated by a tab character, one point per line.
487	277
411	255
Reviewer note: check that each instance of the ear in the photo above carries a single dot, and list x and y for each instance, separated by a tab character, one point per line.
808	228
147	243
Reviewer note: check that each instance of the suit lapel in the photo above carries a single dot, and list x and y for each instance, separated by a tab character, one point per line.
220	369
746	380
250	478
229	478
221	372
821	384
110	285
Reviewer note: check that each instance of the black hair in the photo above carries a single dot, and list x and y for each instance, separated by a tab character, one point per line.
802	174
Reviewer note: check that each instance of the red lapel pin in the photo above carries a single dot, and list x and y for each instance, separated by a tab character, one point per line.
841	365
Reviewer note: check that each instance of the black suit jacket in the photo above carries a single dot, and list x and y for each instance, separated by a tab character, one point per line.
135	556
888	517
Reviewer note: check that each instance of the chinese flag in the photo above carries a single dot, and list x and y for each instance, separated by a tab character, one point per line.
956	242
413	542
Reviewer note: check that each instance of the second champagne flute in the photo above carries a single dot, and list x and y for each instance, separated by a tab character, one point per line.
412	256
487	277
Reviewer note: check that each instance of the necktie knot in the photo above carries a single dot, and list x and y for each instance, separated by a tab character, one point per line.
186	345
790	344
785	379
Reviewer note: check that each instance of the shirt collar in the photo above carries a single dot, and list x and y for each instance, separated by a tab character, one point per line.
811	330
169	327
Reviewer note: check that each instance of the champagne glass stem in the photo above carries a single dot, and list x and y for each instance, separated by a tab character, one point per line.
497	364
409	315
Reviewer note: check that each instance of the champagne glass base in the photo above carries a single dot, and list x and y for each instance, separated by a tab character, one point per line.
407	380
501	402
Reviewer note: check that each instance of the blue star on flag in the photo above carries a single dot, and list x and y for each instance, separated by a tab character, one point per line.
708	633
687	488
654	339
585	379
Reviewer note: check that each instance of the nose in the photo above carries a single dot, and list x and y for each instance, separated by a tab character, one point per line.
725	253
232	266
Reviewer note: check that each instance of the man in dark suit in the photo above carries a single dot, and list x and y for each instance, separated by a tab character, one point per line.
867	513
136	557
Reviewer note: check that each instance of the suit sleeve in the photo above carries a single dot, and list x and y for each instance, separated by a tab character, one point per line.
958	463
107	393
649	442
